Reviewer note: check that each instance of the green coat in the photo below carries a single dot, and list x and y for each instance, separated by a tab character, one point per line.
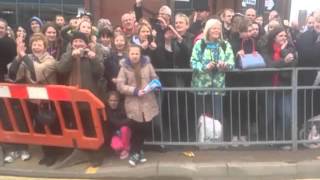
202	54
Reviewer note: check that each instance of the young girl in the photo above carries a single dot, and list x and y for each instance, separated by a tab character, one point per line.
111	64
141	107
119	125
55	45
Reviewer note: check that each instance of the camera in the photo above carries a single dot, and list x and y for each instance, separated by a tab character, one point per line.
84	53
150	39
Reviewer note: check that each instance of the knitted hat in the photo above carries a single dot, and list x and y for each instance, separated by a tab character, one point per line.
165	10
35	18
79	35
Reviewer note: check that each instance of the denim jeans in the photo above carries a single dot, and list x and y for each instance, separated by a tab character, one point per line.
209	104
279	115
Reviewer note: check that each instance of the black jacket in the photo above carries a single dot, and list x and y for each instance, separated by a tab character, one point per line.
155	25
226	33
111	69
309	56
236	43
8	52
285	77
182	51
308	49
196	28
117	117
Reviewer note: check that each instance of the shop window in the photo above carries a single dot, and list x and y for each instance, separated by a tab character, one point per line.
18	12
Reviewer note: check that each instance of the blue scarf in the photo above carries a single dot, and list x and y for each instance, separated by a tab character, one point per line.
214	50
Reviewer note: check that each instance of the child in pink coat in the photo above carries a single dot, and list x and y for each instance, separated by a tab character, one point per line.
117	118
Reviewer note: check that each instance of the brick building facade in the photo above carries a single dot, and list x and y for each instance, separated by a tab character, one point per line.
19	11
113	9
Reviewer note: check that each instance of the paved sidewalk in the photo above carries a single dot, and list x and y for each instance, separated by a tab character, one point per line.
210	163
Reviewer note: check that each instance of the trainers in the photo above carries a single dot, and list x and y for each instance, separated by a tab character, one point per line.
142	159
314	146
286	147
11	156
235	141
134	159
244	141
25	155
124	154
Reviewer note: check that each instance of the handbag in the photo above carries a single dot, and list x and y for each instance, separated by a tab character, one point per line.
251	60
45	115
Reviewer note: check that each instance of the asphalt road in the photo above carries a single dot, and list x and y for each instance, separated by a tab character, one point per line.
168	178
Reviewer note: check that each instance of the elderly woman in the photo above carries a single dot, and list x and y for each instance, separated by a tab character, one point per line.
211	57
35	68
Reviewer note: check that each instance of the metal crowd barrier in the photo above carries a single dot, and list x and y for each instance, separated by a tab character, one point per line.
251	115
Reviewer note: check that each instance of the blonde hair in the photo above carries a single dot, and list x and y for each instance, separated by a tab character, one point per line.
85	21
208	26
39	37
141	25
144	21
183	16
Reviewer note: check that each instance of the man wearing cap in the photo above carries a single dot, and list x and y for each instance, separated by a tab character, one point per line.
81	64
84	70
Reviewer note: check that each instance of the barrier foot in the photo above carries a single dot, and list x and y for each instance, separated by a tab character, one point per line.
76	157
1	156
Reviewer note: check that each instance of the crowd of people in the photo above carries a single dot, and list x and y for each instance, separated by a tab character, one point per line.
115	62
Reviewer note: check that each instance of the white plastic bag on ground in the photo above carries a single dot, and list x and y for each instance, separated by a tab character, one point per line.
210	130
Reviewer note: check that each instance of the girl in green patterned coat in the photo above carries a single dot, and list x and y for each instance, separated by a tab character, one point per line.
211	58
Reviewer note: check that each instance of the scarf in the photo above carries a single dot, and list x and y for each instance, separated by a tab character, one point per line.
276	56
214	50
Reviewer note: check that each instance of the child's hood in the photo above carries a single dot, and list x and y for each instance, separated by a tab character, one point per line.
125	62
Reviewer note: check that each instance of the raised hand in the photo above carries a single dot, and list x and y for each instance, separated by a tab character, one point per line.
139	3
